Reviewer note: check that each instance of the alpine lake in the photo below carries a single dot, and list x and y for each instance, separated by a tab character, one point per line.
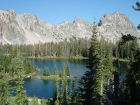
44	88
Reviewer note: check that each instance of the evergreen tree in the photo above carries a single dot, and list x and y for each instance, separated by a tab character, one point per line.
5	94
137	9
108	73
55	72
35	101
21	98
64	97
67	70
132	81
91	89
43	101
63	71
116	84
46	72
56	94
74	92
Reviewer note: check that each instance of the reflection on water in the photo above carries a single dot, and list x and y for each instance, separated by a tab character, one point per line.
41	88
121	68
77	67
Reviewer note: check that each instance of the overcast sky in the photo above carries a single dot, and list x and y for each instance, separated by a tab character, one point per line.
57	11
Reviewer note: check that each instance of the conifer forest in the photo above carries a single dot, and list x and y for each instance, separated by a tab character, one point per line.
94	87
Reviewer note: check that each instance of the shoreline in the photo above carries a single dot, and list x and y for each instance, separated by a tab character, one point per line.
13	79
53	77
61	57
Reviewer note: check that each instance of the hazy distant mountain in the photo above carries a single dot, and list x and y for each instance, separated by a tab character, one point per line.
27	29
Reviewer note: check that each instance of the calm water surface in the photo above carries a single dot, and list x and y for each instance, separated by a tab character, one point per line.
41	88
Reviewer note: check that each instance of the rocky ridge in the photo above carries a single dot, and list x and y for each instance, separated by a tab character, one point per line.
25	28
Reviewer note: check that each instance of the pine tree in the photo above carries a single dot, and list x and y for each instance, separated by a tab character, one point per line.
132	81
56	94
74	92
21	98
55	72
64	96
109	69
67	70
116	84
63	71
5	94
137	9
35	101
91	86
46	72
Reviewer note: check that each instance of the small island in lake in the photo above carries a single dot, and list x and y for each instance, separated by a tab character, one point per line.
64	73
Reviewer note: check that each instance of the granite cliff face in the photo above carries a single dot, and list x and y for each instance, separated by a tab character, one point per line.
112	25
27	29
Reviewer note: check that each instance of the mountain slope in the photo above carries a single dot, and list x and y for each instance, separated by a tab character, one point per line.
27	29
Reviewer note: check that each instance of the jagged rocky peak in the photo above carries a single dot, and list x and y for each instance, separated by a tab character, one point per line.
116	19
65	22
7	16
12	13
78	20
25	28
11	32
111	26
30	21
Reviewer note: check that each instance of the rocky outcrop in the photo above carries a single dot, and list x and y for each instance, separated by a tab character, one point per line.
10	31
27	29
112	25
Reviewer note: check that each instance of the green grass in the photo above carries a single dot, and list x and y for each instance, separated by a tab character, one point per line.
53	77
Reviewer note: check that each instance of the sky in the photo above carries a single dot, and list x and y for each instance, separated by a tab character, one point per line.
57	11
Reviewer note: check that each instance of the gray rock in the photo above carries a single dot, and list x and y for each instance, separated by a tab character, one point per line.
27	29
112	25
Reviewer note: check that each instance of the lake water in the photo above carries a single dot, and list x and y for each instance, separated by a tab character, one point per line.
41	88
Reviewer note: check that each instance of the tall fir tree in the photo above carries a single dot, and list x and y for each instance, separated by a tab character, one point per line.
67	70
91	86
21	98
56	94
5	94
74	93
64	97
132	80
46	72
55	72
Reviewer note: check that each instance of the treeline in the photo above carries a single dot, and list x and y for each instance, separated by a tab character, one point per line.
64	73
124	51
14	68
66	48
8	67
69	49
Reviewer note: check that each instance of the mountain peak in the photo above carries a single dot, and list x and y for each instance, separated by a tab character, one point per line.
27	29
78	20
112	25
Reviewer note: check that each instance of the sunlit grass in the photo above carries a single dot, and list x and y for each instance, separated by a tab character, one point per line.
53	77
